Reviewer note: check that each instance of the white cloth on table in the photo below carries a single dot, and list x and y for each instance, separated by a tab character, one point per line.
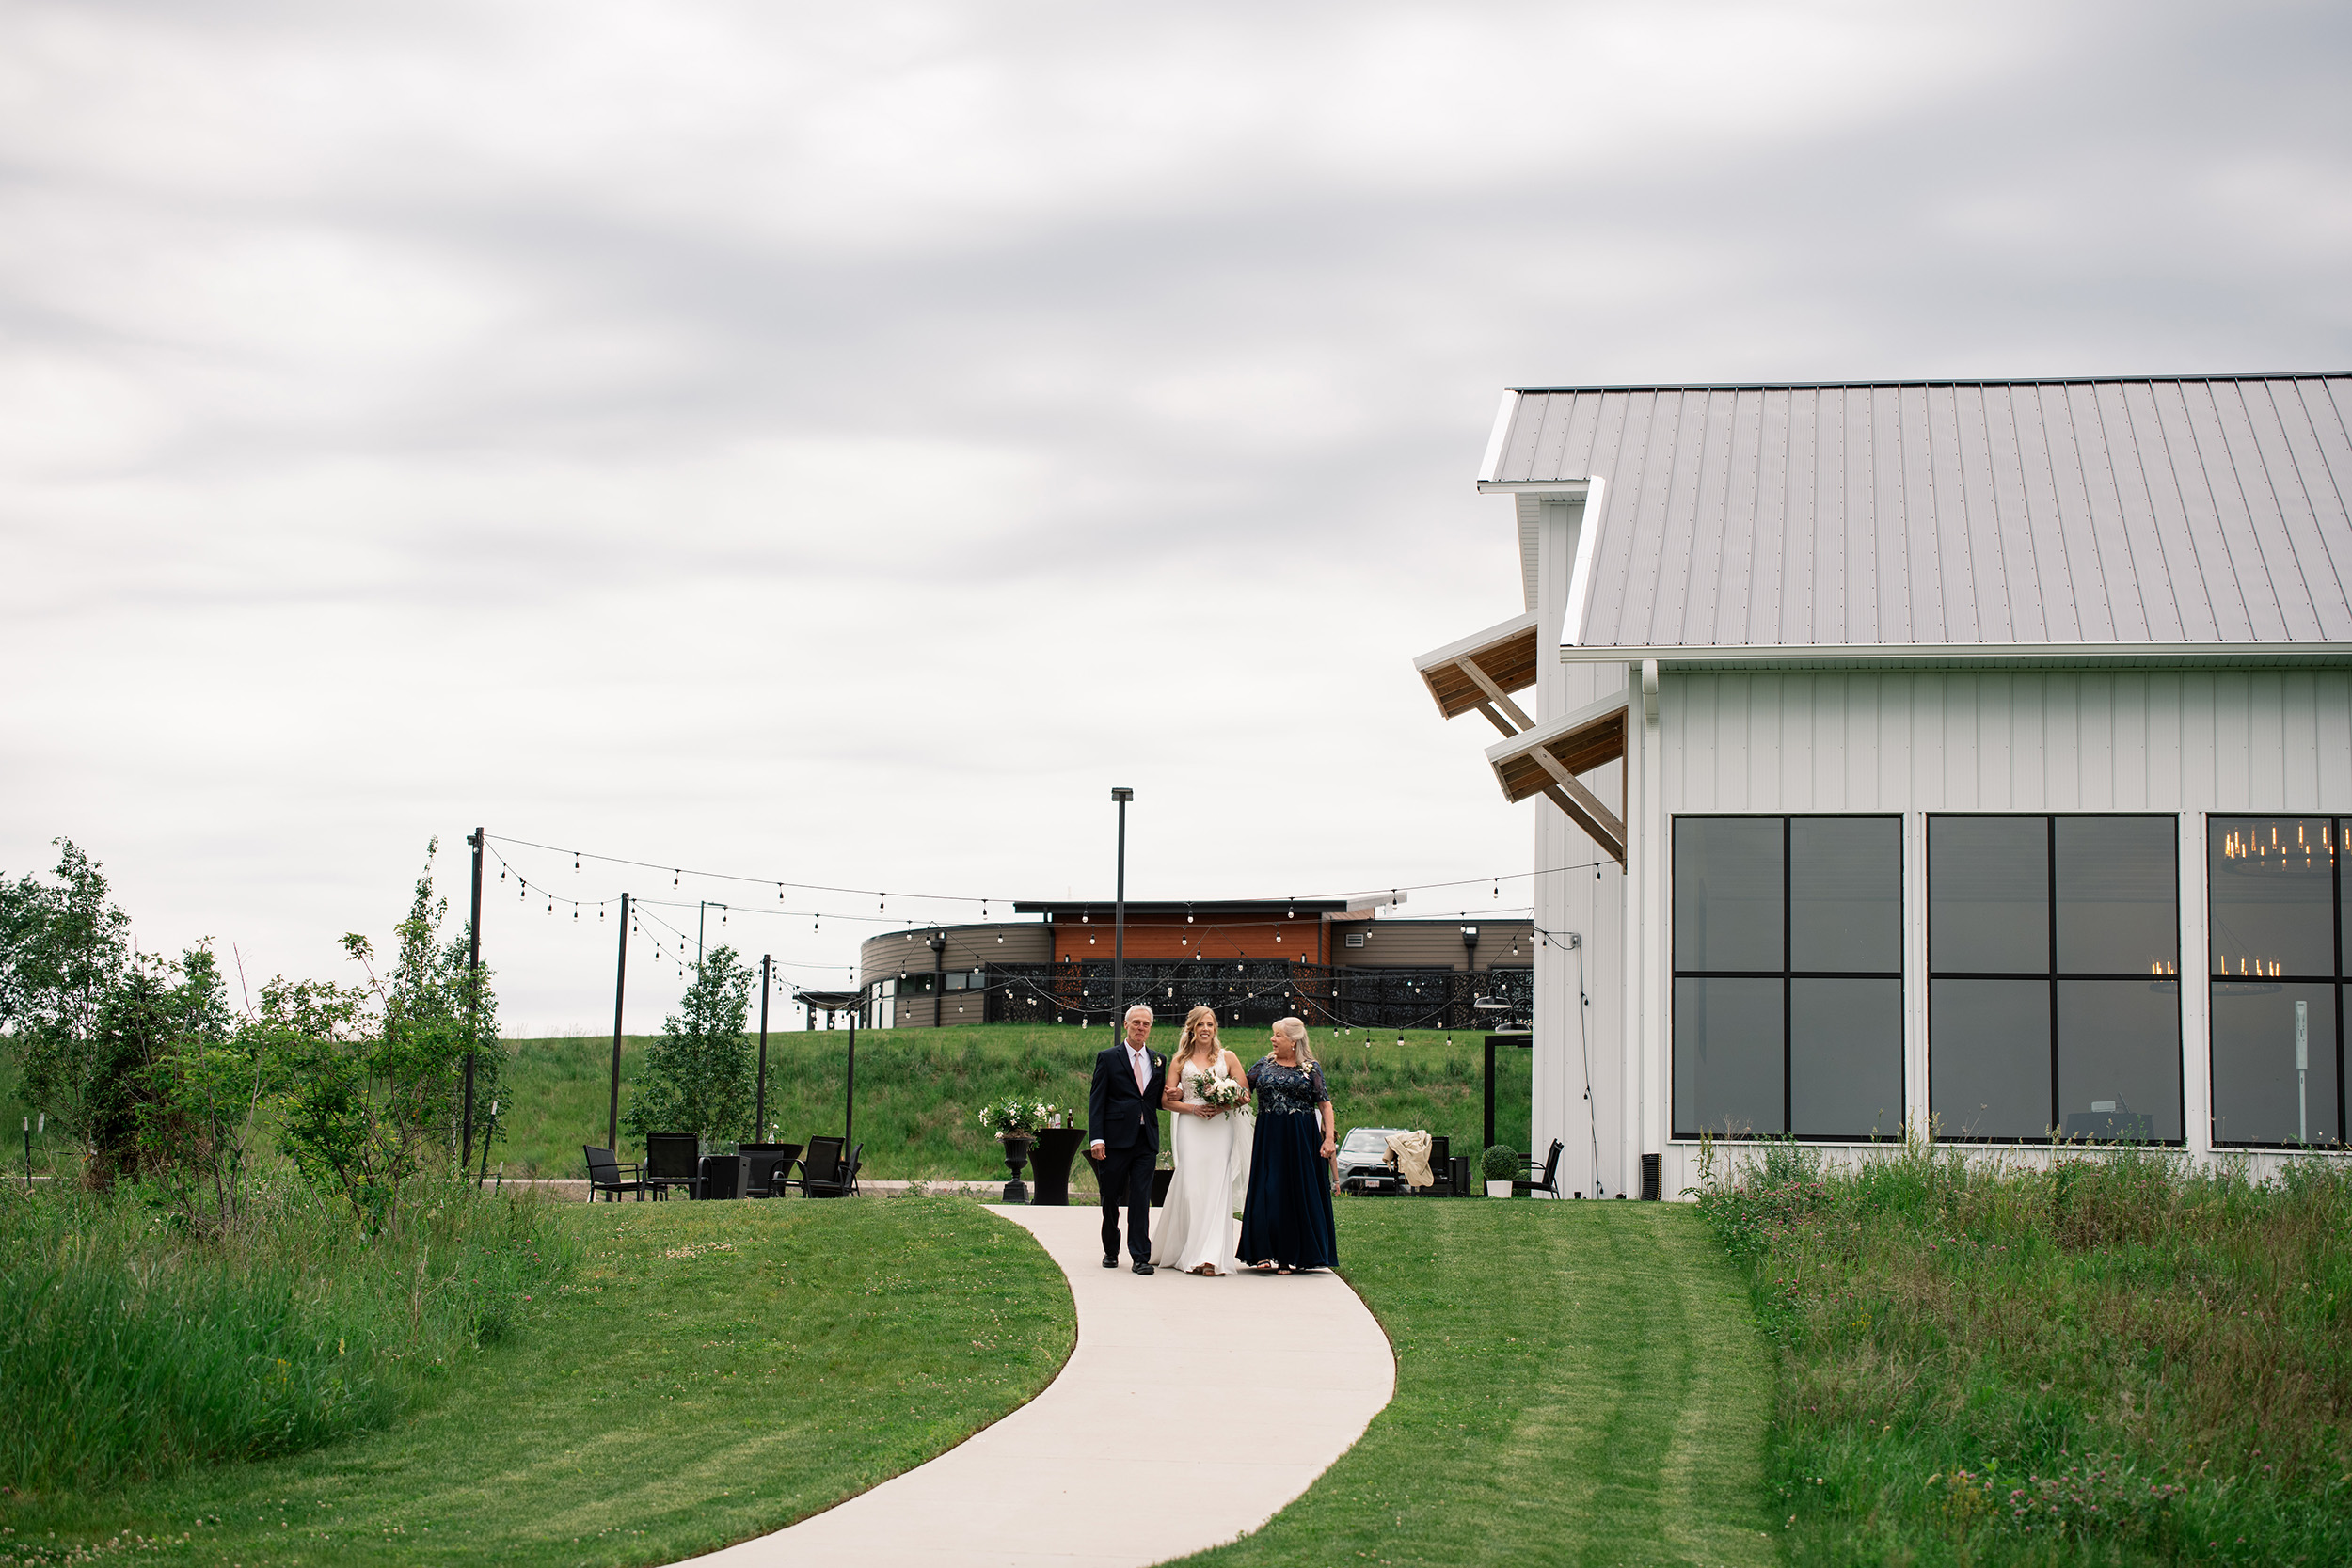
1409	1153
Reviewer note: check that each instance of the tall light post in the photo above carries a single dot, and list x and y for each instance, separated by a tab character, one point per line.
1122	795
701	915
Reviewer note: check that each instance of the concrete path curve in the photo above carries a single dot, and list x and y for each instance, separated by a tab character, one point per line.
1143	1449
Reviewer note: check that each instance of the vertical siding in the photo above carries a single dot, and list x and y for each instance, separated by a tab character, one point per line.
2011	740
2190	742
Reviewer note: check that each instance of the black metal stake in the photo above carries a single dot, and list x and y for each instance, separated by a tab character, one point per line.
849	1097
620	984
759	1115
1118	932
473	1006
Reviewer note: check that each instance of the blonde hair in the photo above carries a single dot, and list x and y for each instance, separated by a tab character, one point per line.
1193	1020
1296	1031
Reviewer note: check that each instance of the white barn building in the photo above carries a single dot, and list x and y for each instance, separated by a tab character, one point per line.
1964	754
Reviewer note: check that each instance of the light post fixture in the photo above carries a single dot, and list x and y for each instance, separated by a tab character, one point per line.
937	943
700	915
1121	795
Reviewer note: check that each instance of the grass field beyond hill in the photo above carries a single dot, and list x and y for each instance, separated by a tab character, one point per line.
920	1090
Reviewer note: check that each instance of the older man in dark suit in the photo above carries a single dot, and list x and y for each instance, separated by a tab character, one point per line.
1123	1127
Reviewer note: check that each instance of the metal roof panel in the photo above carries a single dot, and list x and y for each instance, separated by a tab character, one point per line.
2106	511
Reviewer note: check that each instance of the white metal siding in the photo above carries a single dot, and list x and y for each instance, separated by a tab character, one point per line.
2009	740
2189	742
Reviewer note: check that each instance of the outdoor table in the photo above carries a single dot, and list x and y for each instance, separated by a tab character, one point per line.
1049	1164
724	1176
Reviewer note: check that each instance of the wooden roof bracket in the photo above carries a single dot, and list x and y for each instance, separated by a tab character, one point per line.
1546	761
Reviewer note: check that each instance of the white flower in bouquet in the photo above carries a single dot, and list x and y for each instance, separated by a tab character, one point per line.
1223	1093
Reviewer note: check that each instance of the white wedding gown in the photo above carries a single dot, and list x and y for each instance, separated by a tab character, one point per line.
1197	1223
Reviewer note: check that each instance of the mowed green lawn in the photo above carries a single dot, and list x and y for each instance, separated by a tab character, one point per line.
1577	1383
712	1371
919	1091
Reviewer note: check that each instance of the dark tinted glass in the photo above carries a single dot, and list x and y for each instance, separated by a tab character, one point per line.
2254	1080
1989	1057
2273	895
1989	895
1846	1058
2119	902
1727	1056
1728	892
1845	893
2118	1053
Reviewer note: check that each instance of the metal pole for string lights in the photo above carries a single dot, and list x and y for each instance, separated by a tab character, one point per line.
759	1115
620	984
1118	920
700	915
473	1003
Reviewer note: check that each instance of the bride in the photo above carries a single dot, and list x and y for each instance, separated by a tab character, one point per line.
1196	1231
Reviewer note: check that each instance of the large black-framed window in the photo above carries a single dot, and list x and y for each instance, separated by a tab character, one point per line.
2053	997
1789	976
2277	963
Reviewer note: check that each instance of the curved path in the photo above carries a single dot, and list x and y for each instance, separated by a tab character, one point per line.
1190	1412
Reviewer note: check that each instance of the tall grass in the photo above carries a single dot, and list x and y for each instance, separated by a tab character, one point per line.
918	1090
2124	1359
129	1348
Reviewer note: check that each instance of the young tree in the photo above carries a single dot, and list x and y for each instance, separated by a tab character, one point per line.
373	1072
64	947
697	1076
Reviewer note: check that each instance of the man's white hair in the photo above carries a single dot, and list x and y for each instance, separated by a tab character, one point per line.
1138	1007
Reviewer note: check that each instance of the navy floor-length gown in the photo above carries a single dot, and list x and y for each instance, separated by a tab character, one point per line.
1287	1217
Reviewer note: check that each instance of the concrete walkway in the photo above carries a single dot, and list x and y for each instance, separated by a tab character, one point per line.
1190	1412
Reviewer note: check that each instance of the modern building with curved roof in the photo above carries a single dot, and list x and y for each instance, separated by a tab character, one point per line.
1333	963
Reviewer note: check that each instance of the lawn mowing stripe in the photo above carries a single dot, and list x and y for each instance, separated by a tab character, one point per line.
1577	1383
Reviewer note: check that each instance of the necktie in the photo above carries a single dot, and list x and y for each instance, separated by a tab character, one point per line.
1137	1058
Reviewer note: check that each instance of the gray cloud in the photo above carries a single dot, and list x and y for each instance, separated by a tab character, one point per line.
836	443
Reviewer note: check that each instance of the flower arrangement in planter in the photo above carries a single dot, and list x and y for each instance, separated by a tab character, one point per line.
1021	1118
1502	1166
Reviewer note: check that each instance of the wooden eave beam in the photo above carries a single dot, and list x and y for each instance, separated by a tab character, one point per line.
1547	761
1479	672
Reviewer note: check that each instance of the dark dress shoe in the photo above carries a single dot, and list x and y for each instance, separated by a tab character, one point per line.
1110	1261
1143	1268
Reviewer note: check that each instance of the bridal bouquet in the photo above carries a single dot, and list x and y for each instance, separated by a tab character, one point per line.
1223	1093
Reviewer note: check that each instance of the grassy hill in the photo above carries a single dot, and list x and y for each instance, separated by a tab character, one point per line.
918	1090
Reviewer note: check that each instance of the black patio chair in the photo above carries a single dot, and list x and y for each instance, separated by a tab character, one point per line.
611	1176
674	1160
771	1167
1550	1167
824	1174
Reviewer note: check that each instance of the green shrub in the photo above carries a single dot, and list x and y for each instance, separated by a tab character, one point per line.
131	1345
1502	1164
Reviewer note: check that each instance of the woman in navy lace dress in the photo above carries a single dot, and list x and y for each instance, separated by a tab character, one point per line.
1286	1222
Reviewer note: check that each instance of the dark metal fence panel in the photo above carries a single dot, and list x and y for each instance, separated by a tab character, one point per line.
1261	990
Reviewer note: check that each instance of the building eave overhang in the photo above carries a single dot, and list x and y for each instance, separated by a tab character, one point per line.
1160	907
1988	655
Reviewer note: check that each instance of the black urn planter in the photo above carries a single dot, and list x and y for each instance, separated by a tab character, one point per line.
1049	1166
1160	1183
1016	1155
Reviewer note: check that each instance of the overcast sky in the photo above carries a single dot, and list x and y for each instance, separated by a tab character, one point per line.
838	443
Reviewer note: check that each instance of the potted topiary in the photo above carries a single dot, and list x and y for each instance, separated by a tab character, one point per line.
1502	1166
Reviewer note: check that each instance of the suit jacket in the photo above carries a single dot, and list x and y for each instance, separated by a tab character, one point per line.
1120	1115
